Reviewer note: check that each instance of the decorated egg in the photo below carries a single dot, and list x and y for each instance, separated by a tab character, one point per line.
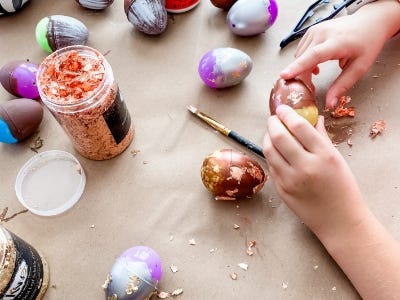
231	175
179	6
252	17
224	67
148	16
19	79
58	31
134	275
296	94
11	6
223	4
19	119
95	4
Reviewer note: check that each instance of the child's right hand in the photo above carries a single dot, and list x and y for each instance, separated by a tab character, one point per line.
354	40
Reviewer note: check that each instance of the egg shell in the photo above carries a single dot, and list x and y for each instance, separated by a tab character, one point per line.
134	275
252	17
296	94
59	31
230	175
224	67
11	6
19	79
148	16
223	4
95	4
19	119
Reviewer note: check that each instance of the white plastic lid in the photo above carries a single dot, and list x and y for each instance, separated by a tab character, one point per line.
50	183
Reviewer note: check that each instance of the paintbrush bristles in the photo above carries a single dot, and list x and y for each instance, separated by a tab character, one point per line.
192	109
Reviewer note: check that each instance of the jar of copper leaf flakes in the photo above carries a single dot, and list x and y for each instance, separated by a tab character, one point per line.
77	85
24	273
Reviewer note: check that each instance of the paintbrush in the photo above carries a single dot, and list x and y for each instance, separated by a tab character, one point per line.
226	131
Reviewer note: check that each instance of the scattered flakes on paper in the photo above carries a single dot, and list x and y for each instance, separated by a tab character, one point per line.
341	111
192	242
213	250
236	226
36	144
177	292
243	266
377	127
316	267
163	295
334	288
284	285
233	275
92	226
134	152
249	250
173	268
171	238
107	282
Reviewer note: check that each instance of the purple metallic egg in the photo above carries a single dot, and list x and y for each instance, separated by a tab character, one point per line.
134	275
19	79
252	17
224	67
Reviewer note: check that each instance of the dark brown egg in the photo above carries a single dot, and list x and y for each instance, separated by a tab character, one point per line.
148	16
19	119
231	175
296	94
223	4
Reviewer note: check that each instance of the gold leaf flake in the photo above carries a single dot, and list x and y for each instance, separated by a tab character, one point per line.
163	295
236	226
133	285
233	275
243	266
177	292
173	268
284	285
107	282
192	242
377	127
113	297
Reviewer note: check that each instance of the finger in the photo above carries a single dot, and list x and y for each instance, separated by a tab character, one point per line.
284	143
311	58
320	126
349	76
306	135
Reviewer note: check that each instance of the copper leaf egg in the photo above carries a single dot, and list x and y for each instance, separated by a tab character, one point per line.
296	94
223	4
19	119
229	175
148	16
19	79
58	31
11	6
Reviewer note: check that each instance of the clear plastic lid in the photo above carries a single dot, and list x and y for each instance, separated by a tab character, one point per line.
50	183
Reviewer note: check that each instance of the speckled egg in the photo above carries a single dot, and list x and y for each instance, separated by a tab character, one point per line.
11	6
224	67
148	16
95	4
230	175
134	275
58	31
19	119
19	79
252	17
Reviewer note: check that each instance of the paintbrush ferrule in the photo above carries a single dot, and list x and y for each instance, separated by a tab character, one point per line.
214	124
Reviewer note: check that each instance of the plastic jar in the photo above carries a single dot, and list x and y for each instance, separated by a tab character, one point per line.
180	6
77	85
24	274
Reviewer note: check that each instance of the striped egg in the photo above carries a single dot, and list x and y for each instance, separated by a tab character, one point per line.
95	4
58	31
11	6
224	67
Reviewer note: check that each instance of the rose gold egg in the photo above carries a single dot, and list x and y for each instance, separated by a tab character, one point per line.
296	94
231	175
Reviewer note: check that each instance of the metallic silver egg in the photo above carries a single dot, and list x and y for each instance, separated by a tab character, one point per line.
252	17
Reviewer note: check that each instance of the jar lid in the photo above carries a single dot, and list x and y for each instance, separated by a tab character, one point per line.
50	183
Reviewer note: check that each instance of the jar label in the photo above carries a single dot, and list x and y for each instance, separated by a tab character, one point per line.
180	4
27	278
118	118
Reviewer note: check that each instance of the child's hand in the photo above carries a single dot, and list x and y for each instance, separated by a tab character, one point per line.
309	173
354	40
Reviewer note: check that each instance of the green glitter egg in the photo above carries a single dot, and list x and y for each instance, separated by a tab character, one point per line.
58	31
